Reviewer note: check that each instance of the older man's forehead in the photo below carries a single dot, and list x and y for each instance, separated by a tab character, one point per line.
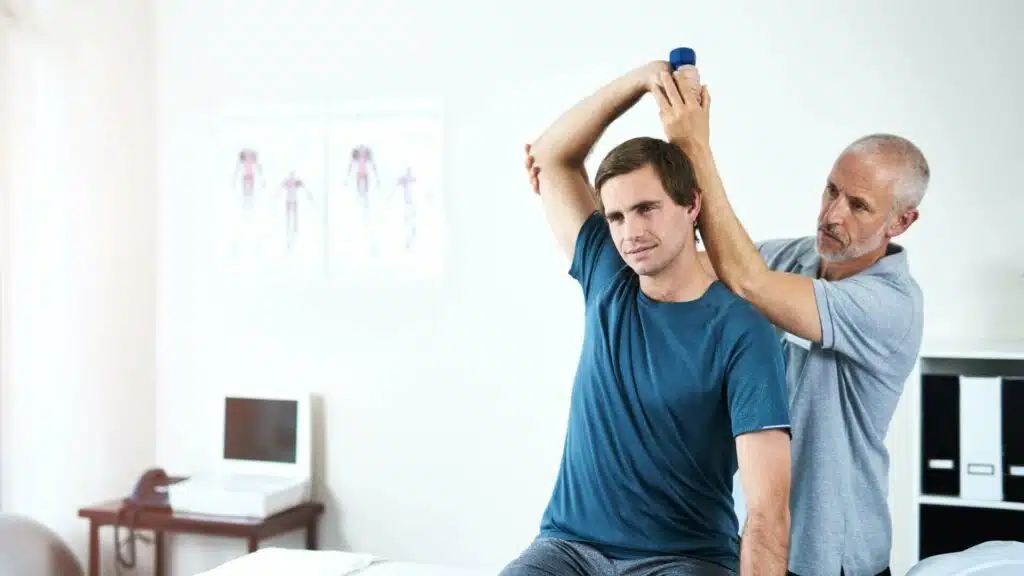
865	174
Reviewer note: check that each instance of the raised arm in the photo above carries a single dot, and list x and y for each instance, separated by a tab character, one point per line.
556	158
786	299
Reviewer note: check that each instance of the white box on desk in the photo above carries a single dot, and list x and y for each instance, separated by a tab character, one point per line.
215	497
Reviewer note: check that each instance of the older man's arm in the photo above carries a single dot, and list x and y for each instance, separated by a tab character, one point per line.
788	300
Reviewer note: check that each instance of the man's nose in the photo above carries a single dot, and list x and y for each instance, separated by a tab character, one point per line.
633	227
835	211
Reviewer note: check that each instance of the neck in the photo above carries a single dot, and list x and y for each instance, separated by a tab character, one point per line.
681	281
833	270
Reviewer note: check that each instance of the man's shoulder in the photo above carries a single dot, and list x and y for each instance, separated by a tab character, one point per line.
894	268
737	317
801	244
619	289
890	279
783	253
875	315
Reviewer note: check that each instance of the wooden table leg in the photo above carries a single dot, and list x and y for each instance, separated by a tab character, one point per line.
254	544
94	549
159	554
311	535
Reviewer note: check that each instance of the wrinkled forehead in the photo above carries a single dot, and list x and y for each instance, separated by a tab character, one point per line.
866	174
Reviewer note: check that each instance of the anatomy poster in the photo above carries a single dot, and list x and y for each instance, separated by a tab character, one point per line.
385	217
272	206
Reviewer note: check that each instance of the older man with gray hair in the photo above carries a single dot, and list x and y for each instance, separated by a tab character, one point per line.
851	314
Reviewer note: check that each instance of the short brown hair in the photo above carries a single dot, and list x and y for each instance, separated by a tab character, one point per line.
670	164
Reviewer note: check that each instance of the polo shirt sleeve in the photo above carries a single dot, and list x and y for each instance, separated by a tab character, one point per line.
867	318
778	253
755	374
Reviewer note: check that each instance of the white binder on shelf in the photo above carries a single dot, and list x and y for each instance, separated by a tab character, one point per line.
981	438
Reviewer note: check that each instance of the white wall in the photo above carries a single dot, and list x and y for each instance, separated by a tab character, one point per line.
77	398
444	404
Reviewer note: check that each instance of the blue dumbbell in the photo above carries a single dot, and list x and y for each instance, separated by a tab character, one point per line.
682	57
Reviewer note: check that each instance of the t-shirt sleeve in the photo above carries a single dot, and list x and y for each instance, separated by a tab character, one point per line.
868	318
595	260
755	376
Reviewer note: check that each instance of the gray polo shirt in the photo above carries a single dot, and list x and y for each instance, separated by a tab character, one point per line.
842	394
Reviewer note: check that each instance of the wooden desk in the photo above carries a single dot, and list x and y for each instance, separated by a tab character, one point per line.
304	516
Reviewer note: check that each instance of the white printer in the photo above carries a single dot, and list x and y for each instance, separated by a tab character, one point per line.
264	465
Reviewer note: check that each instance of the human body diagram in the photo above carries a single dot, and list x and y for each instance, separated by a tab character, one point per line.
290	188
361	163
409	201
247	166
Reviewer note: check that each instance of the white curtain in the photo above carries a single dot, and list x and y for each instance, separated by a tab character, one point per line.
47	241
77	395
5	185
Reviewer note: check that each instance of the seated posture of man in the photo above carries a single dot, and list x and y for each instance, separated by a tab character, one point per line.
680	382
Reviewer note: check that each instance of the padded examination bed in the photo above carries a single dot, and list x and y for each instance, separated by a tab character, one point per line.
329	563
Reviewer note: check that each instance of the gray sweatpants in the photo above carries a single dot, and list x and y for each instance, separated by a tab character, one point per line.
553	557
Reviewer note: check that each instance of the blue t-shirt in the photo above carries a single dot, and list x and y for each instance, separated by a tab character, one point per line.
662	389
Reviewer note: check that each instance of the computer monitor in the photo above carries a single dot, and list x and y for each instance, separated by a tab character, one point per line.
266	434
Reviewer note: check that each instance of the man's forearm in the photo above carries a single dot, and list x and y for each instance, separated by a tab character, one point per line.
765	545
572	136
733	254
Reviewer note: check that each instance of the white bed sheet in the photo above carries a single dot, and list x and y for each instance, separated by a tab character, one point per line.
988	559
995	558
293	562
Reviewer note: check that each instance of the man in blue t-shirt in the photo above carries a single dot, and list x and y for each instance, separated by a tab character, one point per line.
680	382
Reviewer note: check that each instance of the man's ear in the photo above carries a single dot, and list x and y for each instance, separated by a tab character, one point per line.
902	222
694	209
